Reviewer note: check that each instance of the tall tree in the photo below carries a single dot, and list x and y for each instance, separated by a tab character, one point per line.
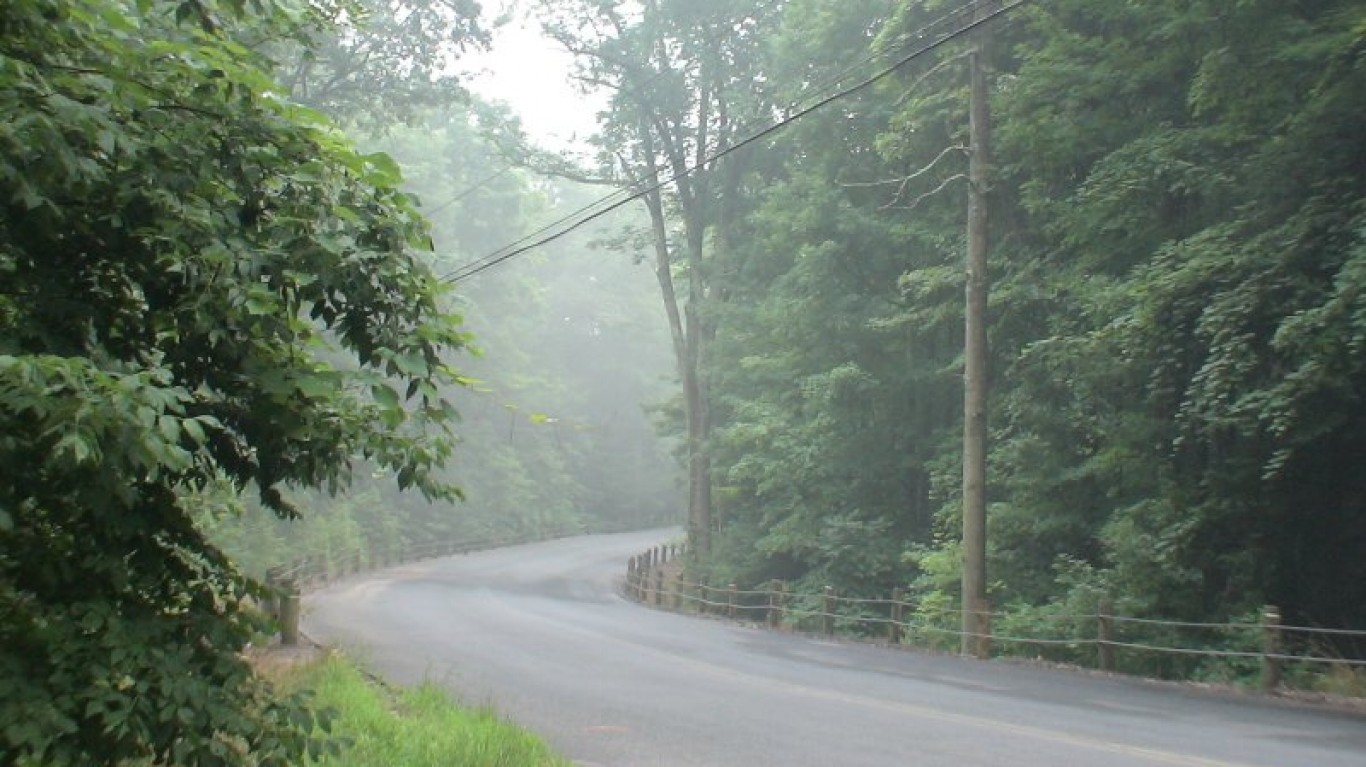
183	252
681	94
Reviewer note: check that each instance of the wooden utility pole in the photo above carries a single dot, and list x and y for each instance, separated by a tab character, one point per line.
975	359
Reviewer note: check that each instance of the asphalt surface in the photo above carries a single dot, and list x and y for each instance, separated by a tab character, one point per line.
539	633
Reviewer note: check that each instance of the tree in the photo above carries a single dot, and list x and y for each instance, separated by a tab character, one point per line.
833	391
1193	234
378	61
1174	317
182	250
682	91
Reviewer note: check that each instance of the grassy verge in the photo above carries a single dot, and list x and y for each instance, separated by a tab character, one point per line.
412	727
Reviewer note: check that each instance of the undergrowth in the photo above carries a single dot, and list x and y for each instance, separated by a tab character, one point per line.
416	727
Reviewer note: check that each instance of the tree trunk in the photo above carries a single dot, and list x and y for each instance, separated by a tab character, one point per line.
695	396
685	328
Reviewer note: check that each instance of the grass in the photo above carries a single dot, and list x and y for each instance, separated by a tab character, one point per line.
1342	680
411	727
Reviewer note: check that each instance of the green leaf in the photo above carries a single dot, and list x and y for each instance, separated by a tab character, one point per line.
385	396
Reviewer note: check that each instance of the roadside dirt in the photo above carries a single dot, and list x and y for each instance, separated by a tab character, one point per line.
271	660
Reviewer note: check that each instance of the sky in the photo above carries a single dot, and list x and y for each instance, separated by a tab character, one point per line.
530	73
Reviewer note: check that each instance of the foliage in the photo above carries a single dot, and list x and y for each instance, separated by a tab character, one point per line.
412	727
683	89
187	259
1175	318
1207	224
379	62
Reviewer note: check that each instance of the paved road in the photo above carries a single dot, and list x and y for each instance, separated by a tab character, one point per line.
538	632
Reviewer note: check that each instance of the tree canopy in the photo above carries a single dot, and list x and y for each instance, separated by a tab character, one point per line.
1177	225
205	288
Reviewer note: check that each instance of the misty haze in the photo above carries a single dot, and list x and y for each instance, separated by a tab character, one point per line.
684	383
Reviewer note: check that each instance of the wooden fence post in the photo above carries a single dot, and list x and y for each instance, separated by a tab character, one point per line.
645	581
1271	648
659	586
678	592
1105	634
828	612
894	628
778	601
271	604
730	601
289	614
642	571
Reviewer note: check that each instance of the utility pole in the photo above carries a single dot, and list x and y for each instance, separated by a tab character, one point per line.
975	358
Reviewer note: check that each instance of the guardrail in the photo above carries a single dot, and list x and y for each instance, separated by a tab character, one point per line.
285	583
1093	639
320	569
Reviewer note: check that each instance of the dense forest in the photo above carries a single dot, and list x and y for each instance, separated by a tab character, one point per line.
1175	206
228	336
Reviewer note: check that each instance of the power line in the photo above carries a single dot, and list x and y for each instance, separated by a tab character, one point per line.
902	41
530	242
480	184
622	197
456	274
610	203
625	195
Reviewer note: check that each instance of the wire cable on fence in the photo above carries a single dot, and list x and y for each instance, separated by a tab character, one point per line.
1186	624
796	607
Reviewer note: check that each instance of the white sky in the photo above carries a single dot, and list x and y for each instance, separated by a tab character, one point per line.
529	73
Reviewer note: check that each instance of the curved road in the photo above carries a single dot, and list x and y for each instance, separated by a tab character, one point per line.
539	633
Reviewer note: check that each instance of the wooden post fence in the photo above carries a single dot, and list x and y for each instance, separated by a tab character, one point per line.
1271	648
289	613
1105	634
894	628
775	605
828	612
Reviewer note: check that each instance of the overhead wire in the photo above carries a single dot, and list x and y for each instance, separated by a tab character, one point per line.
927	42
453	276
624	196
881	52
476	186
